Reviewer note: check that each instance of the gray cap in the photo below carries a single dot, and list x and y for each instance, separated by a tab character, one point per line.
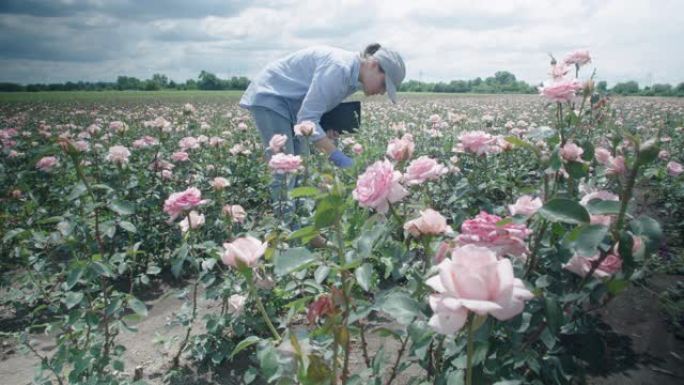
395	71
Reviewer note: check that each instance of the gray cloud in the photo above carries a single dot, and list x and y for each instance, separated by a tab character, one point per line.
62	40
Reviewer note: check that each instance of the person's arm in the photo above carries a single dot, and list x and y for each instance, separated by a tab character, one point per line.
329	87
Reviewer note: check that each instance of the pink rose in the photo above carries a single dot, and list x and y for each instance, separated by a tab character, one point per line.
285	163
357	148
561	91
192	221
674	168
379	186
176	203
118	155
180	156
526	206
400	149
602	156
47	163
219	183
430	222
473	279
235	212
579	57
423	169
188	143
244	251
118	126
582	265
571	152
276	143
443	250
558	71
663	155
616	166
477	142
305	128
484	230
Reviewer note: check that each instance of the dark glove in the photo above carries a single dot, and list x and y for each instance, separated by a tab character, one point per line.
340	160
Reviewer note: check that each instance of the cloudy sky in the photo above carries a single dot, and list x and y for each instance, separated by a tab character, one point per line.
60	40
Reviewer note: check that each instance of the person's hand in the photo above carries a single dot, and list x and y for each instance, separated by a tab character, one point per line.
340	160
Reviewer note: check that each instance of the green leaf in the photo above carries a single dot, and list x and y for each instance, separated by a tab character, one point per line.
122	207
401	307
292	260
328	211
304	191
589	237
588	153
554	314
102	269
364	274
73	277
565	211
577	170
304	232
128	226
13	233
73	298
616	286
601	207
321	273
650	231
244	344
648	152
78	191
137	306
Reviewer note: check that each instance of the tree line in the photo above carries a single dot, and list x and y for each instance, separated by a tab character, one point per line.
501	82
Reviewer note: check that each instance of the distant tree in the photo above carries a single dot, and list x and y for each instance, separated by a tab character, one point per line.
626	88
161	80
208	81
662	89
602	86
11	87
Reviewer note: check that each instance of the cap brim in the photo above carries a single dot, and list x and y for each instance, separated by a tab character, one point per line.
391	89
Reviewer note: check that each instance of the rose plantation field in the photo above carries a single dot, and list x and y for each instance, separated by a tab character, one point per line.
509	239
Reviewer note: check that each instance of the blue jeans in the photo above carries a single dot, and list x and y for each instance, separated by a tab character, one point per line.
270	123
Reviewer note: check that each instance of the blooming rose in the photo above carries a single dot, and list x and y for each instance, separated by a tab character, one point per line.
571	152
674	168
189	109
285	163
582	265
663	155
178	202
616	166
180	156
473	279
243	251
188	143
192	221
118	154
277	142
118	126
483	230
219	183
430	222
422	169
236	212
476	142
47	163
602	155
561	91
379	186
357	148
579	58
400	149
305	128
525	205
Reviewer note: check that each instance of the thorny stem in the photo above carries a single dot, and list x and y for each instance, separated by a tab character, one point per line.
398	360
176	359
262	310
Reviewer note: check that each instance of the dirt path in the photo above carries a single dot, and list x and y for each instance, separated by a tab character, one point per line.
634	314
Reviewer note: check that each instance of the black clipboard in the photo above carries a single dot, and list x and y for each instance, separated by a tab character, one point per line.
345	117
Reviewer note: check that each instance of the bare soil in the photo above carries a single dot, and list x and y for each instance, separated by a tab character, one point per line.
646	351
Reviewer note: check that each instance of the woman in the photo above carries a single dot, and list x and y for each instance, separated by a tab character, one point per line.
310	82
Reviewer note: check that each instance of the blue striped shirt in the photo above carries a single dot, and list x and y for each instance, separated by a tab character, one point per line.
306	84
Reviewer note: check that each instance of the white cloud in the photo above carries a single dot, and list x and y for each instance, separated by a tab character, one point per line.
636	39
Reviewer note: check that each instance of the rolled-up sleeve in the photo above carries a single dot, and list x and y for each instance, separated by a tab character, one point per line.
329	87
